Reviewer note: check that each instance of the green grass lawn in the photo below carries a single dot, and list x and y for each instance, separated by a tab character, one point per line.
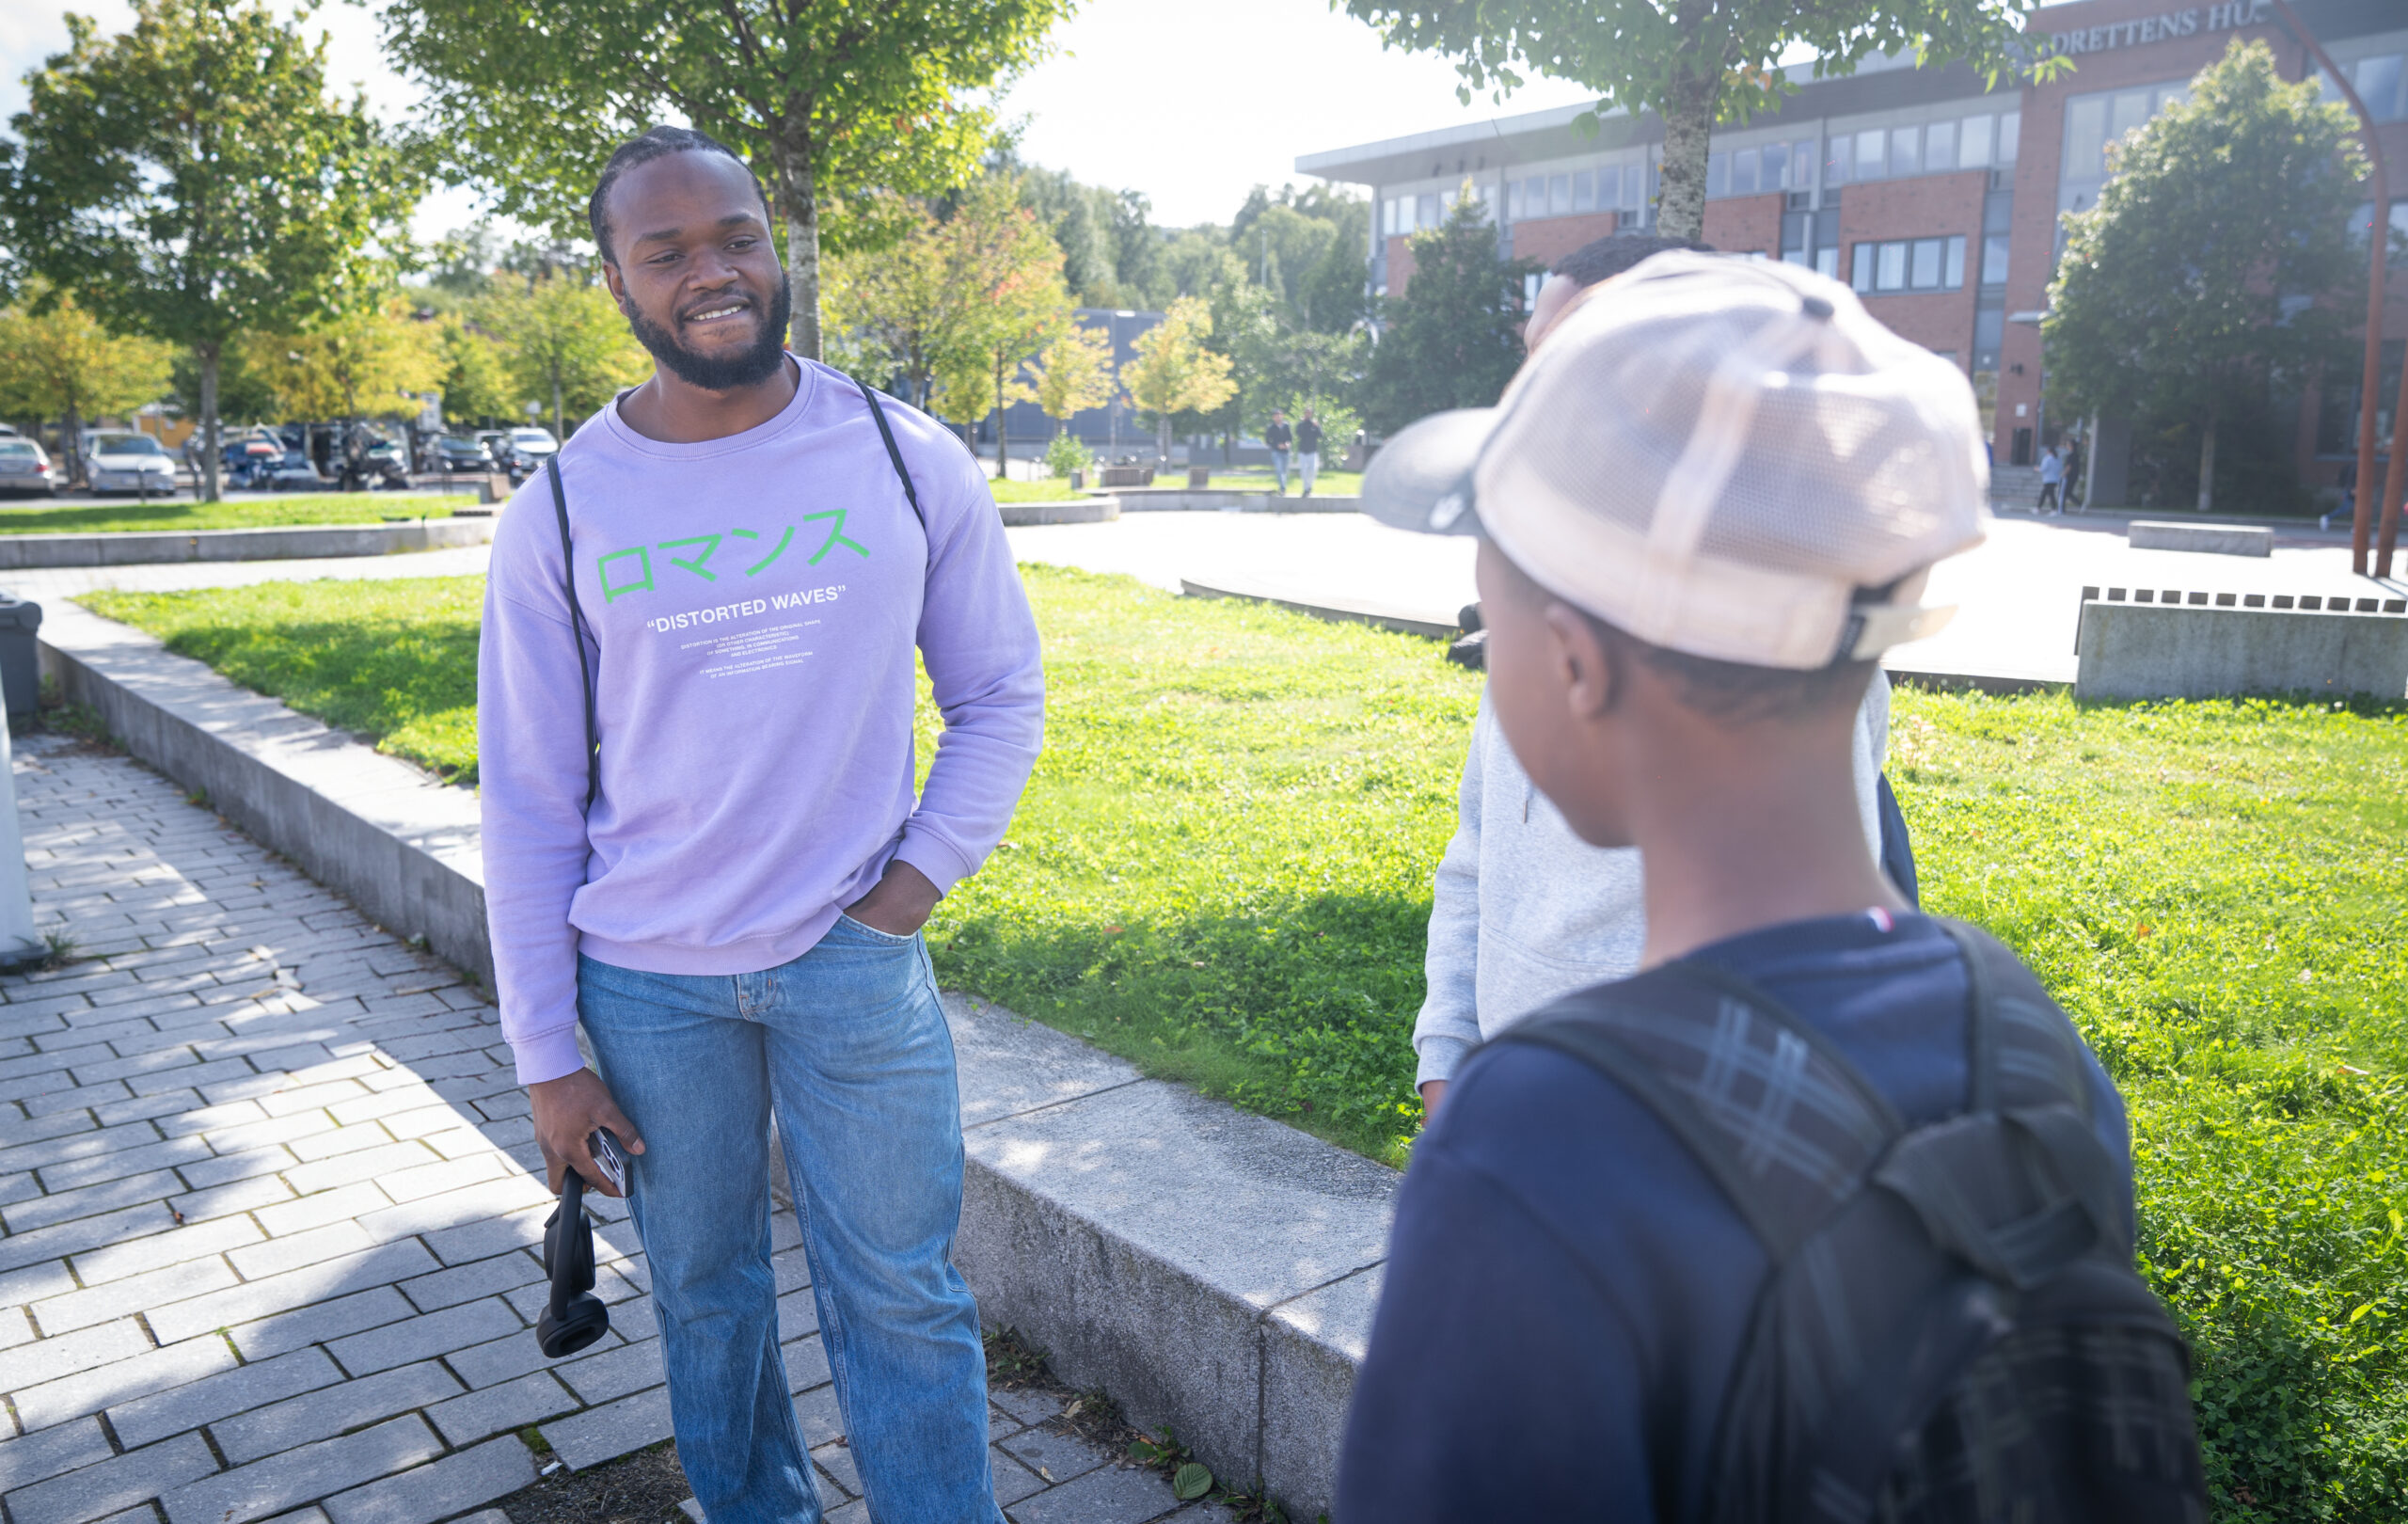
1221	871
119	514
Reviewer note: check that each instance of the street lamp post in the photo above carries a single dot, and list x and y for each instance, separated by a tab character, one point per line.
2371	383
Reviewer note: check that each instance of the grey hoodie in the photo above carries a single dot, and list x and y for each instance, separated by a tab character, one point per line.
1524	912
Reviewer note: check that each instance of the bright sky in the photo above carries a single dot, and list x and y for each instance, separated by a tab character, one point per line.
1193	105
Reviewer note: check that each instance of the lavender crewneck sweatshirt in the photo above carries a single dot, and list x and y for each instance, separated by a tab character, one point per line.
753	603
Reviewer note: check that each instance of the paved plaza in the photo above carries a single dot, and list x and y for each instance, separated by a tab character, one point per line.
2018	595
273	1214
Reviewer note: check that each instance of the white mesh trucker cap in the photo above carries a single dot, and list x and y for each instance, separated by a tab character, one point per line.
1723	456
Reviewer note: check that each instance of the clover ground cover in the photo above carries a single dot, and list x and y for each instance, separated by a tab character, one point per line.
1221	871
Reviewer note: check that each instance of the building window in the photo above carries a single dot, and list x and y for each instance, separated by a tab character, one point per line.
1906	151
2378	82
1514	211
1584	190
1559	196
2362	222
1802	165
1939	147
1426	209
1872	162
1839	160
1744	170
1973	141
1718	174
2094	124
2010	129
1909	264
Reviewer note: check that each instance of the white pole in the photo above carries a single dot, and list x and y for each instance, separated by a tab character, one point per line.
17	940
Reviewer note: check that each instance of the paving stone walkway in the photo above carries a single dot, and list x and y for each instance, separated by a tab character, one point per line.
273	1214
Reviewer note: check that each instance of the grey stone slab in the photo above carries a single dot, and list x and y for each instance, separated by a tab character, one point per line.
1028	1407
1008	1065
303	1475
614	1373
51	1358
65	1206
293	1289
1100	1229
96	1387
134	1255
816	1413
75	1238
479	1278
1054	1457
157	1415
2212	539
38	1457
495	1469
136	1293
321	1321
806	1363
1013	1481
1312	1348
837	1461
112	1485
2152	651
332	1410
1115	1494
606	1433
512	1406
426	1336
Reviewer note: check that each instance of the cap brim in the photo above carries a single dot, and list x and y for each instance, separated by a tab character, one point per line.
1421	480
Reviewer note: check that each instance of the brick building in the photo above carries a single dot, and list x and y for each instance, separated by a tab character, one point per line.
1937	198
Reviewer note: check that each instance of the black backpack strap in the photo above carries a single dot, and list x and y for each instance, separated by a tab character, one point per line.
577	636
1784	1124
886	432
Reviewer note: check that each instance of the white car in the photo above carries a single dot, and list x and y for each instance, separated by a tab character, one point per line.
533	443
24	468
129	463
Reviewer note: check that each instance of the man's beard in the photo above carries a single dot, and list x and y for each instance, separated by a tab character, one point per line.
749	367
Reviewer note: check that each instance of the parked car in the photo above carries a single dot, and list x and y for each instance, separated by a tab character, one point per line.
455	455
251	461
114	462
295	470
534	443
24	468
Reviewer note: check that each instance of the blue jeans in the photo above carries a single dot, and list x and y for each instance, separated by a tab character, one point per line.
1280	469
848	1044
1309	465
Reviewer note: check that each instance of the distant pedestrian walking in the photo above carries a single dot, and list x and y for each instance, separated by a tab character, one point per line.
1307	450
2052	481
1279	437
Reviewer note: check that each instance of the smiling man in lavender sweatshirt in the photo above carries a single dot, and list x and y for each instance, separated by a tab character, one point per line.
727	887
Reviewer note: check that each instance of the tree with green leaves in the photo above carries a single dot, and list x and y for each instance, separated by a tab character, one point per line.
1696	62
2192	278
833	98
1176	370
190	181
1003	273
57	364
1072	374
475	389
564	342
1455	338
365	364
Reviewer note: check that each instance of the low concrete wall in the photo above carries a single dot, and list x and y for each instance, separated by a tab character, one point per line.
2211	539
23	552
1069	510
1193	499
1212	1270
1398	617
2166	650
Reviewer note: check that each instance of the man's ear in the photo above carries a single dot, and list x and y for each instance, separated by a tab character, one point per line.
618	287
1588	671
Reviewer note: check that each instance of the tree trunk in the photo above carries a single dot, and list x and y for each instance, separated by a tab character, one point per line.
799	195
1689	132
72	437
1002	457
559	420
205	357
2207	466
1162	441
2090	461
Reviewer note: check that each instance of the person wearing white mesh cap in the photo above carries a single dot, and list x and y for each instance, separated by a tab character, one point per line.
1641	1267
1522	911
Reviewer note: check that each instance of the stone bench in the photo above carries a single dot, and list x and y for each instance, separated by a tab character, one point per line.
2210	539
2172	649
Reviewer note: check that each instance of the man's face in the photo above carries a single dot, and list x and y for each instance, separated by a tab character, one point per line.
695	271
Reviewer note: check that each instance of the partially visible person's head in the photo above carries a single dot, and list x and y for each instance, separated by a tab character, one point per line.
1708	504
688	254
1591	265
1278	417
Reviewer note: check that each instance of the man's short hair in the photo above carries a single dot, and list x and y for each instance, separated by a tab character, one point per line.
656	143
1610	256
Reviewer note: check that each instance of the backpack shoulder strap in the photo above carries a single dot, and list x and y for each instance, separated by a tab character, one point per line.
1785	1125
894	453
2021	1049
576	635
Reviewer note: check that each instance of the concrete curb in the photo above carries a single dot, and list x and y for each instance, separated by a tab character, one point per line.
299	542
1212	1270
1067	511
1190	499
1397	617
